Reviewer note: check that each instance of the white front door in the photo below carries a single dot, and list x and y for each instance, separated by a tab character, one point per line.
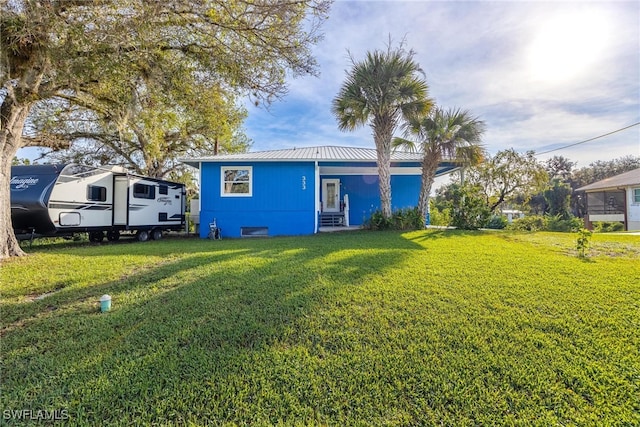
331	195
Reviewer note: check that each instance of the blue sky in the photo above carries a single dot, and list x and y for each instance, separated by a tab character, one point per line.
540	74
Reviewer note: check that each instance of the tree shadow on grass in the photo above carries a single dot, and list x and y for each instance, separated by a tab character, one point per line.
192	339
66	289
66	295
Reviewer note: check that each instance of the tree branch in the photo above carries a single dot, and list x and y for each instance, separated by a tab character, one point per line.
52	141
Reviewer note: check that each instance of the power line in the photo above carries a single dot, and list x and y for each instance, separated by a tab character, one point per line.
590	139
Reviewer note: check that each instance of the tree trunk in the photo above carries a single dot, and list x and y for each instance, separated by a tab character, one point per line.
13	119
384	174
493	207
14	110
383	131
429	169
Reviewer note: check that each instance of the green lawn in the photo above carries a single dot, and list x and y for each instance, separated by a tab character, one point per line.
364	328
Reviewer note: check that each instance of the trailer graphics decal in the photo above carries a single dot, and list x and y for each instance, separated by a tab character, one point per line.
164	200
23	183
79	206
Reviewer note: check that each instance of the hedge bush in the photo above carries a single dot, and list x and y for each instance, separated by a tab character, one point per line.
439	217
401	219
607	227
497	222
546	223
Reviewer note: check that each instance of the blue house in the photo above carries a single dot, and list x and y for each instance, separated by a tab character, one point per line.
298	191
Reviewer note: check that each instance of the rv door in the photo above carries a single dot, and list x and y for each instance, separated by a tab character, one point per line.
120	199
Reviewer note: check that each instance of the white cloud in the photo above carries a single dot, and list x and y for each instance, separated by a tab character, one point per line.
477	56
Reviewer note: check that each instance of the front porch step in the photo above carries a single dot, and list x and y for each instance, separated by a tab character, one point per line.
332	219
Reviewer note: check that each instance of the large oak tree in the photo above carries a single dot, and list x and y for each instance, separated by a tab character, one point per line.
147	133
70	48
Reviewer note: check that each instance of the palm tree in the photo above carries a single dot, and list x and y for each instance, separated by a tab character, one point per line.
440	135
382	90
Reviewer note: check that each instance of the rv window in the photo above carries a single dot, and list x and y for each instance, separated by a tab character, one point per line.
236	181
143	191
163	189
96	193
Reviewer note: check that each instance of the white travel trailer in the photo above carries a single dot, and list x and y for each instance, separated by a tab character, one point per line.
54	200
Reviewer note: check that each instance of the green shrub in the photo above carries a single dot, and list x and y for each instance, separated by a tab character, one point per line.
529	223
439	217
469	210
497	222
377	221
576	223
401	219
607	227
546	223
557	223
409	219
583	242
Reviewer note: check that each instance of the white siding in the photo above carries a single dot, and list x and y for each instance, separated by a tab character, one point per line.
633	210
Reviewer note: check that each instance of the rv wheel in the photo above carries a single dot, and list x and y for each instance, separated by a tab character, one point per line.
156	234
142	235
96	236
113	236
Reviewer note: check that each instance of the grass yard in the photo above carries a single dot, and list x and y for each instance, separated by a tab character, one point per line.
365	328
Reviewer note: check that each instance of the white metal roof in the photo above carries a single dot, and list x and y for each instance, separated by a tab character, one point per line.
622	180
322	153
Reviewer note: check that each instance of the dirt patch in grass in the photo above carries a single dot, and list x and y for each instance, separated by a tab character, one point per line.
39	297
615	249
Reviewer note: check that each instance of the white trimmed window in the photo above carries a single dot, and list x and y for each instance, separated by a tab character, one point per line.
236	181
636	195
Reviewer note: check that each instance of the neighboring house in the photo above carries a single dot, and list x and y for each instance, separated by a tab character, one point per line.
297	191
512	214
615	199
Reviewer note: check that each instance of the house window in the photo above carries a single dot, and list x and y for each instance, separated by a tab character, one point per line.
636	195
96	193
236	181
144	191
